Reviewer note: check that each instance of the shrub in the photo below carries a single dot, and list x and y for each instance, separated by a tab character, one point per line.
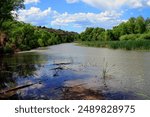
8	48
24	47
40	42
145	36
130	37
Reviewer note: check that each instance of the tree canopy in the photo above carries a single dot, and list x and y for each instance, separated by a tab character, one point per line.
138	28
8	8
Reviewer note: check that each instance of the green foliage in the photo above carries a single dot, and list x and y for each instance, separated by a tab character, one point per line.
40	42
145	36
140	26
109	35
8	48
6	8
128	45
25	36
132	34
92	34
129	37
147	23
23	47
133	27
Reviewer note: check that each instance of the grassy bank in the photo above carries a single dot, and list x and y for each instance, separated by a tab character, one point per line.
128	45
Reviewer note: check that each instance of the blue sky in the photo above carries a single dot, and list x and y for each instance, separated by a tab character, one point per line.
76	15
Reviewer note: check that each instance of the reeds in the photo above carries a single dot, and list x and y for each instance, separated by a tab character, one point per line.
128	45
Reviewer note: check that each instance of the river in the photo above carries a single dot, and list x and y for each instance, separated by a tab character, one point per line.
48	69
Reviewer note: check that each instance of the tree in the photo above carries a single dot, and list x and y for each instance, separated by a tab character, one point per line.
147	23
40	42
101	37
140	26
96	33
109	35
116	33
7	9
131	25
123	29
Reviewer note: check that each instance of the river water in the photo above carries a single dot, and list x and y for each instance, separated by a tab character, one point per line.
48	69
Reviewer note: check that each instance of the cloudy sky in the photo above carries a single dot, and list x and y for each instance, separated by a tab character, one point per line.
76	15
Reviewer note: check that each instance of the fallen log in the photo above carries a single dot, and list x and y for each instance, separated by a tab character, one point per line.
17	88
61	63
57	68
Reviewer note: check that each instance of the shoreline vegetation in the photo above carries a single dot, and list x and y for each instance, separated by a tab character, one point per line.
126	45
133	34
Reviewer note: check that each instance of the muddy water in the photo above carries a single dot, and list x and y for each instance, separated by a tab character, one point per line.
67	65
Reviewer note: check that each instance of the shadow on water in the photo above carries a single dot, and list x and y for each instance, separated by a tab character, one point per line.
30	76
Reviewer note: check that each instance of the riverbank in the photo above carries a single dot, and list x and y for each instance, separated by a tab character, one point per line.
127	45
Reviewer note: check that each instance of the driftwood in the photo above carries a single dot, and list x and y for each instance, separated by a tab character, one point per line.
61	63
57	68
16	88
10	92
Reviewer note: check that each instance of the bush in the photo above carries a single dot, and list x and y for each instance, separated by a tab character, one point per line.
24	47
40	42
130	37
8	48
145	36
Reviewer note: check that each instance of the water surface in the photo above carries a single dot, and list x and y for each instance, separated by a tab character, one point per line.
128	76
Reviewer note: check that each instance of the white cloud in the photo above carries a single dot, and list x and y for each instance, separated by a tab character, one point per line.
88	19
148	2
136	4
114	4
31	1
72	1
49	17
35	16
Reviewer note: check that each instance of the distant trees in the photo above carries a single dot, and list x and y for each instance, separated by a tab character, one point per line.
138	28
92	34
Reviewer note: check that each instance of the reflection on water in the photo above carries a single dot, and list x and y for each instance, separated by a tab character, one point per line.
69	65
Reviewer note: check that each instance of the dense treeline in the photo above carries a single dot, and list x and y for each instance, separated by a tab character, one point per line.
18	36
134	28
132	34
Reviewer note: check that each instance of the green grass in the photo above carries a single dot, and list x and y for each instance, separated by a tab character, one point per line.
128	45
